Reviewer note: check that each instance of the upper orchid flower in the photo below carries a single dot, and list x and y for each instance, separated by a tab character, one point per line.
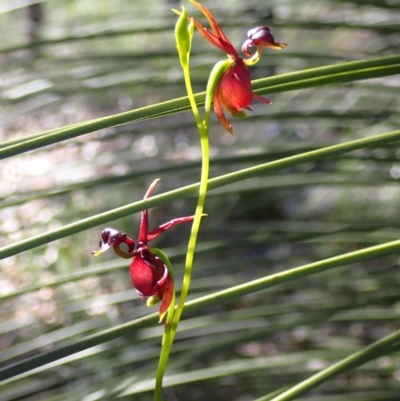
149	273
233	91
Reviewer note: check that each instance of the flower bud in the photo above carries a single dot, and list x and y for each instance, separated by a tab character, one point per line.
183	35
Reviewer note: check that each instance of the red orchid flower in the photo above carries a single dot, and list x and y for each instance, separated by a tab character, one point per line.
233	92
149	273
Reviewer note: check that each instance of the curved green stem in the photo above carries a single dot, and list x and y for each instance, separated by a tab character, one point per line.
195	226
184	36
168	337
204	128
184	33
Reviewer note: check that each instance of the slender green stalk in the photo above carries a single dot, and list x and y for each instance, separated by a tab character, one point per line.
204	140
168	338
184	34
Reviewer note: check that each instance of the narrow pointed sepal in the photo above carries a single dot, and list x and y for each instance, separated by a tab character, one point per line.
167	298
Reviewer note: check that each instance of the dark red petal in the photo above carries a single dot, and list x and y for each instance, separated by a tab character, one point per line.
233	93
213	22
159	230
217	37
144	223
151	189
166	294
245	47
216	41
234	88
261	99
219	112
144	227
148	272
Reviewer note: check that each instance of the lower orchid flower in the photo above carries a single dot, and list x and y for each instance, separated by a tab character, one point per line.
233	92
149	273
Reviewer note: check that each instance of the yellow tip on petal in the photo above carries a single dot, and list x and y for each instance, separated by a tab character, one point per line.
162	316
277	46
151	188
101	250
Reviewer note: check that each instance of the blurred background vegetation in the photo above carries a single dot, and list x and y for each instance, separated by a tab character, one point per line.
65	62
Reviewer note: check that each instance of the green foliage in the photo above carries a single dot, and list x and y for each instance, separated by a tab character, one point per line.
295	281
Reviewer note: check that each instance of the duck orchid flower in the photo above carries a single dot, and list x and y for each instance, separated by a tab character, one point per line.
149	273
233	92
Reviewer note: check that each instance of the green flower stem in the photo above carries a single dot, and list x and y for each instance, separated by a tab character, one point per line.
190	190
168	336
184	34
37	361
378	348
204	140
333	74
205	153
